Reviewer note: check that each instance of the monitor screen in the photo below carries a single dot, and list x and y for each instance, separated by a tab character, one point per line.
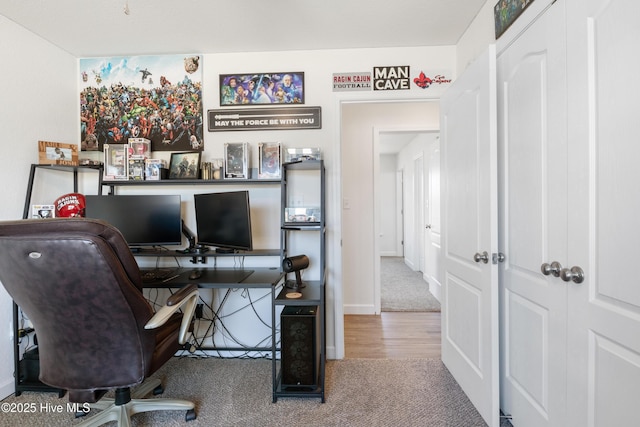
223	220
143	220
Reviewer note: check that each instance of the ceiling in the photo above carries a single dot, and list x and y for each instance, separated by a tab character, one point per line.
96	28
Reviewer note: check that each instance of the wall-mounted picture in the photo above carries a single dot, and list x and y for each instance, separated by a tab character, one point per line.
269	160
154	97
184	165
236	160
261	88
505	12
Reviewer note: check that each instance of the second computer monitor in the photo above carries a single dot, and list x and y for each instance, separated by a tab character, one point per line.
223	220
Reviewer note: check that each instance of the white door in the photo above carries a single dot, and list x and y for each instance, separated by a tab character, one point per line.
532	142
604	212
418	206
469	220
433	227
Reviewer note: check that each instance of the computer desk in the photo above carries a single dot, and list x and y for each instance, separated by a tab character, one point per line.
228	278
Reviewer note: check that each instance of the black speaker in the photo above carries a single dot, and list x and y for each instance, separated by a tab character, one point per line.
300	354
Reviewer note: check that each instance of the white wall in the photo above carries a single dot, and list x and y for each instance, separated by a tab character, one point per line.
478	36
39	102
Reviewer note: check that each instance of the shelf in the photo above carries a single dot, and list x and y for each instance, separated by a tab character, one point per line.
312	294
297	226
304	165
164	182
67	168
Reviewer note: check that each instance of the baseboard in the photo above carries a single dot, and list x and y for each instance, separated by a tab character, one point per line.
435	288
359	309
7	388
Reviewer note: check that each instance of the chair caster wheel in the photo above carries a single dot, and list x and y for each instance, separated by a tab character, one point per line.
191	415
158	390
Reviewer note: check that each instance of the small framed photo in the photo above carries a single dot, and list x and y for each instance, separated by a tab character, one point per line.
236	160
116	162
270	160
184	165
57	153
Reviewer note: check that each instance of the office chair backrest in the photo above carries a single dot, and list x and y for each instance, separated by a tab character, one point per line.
80	286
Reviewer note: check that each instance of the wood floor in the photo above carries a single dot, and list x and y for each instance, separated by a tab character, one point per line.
392	335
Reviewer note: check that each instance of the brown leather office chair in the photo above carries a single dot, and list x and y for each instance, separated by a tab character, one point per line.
80	286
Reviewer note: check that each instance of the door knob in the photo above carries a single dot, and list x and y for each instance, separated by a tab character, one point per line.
484	257
428	226
575	274
553	268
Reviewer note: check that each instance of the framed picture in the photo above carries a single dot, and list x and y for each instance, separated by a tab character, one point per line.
505	12
261	88
116	162
184	165
236	160
269	160
154	84
57	153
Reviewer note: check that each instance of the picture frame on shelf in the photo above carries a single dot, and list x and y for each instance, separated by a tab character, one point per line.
57	153
236	160
185	165
269	160
116	162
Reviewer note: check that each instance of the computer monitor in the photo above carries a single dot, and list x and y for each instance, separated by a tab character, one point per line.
223	220
143	220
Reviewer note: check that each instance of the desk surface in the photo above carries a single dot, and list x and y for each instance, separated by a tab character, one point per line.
259	277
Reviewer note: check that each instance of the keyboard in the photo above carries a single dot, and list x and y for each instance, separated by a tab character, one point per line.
157	275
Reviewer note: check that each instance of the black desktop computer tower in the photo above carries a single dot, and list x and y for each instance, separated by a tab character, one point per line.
300	339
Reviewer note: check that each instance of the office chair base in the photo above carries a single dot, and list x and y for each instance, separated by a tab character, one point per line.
109	411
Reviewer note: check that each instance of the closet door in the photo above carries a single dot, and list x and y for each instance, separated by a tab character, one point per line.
532	141
469	224
604	212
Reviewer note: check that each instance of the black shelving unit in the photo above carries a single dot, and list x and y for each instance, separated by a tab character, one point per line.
26	367
313	292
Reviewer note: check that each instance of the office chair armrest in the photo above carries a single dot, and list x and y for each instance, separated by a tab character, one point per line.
187	297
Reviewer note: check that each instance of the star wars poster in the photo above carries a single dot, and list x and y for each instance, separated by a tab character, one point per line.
261	88
153	97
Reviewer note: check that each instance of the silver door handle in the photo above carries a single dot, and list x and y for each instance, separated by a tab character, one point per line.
484	257
575	274
553	269
428	226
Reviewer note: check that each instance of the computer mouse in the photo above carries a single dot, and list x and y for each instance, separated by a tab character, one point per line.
195	274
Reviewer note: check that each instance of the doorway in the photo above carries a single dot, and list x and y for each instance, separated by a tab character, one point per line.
361	126
403	193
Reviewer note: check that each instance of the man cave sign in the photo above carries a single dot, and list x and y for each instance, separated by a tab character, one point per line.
391	78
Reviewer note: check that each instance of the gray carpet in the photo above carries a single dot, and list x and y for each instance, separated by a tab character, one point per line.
359	392
402	289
